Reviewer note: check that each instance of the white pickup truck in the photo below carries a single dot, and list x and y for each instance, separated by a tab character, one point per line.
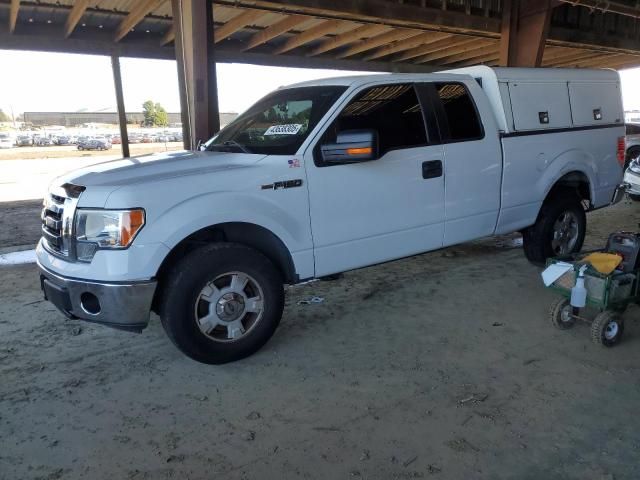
328	176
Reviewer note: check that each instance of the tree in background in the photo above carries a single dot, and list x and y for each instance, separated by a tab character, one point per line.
149	112
5	118
154	114
162	119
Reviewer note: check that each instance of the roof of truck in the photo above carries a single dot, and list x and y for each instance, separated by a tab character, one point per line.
505	74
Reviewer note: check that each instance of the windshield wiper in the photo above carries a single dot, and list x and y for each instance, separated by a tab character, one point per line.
231	143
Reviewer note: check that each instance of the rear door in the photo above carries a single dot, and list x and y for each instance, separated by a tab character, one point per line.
370	212
472	159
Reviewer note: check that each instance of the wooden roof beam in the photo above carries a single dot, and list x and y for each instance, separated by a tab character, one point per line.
373	42
136	15
13	14
169	36
402	45
74	16
315	32
580	55
461	47
488	59
236	23
490	50
575	61
364	31
278	28
432	47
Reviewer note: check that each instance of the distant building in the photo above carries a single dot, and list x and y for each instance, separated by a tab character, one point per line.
77	119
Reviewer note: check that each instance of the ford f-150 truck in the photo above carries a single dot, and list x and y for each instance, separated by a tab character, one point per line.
323	177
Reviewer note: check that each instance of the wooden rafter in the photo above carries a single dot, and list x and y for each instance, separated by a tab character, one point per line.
13	14
315	32
402	45
432	47
373	42
488	59
76	13
136	15
560	54
236	23
602	61
364	31
463	46
580	55
278	28
472	53
169	36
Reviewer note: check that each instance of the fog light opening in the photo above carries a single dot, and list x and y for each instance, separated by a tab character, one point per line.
90	303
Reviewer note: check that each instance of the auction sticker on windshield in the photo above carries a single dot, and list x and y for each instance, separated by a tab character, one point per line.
289	129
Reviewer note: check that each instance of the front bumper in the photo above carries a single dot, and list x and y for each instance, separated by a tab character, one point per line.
123	305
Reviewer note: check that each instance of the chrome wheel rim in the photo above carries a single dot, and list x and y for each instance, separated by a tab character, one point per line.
229	307
565	314
611	330
565	233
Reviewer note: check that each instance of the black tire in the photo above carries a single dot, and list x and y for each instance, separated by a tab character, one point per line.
80	148
607	329
184	284
557	314
537	239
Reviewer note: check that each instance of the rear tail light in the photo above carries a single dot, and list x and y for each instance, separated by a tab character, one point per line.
621	151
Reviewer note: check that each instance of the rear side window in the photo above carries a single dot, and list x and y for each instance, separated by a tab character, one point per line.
392	110
461	117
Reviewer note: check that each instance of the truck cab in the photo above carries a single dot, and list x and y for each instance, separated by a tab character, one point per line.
320	178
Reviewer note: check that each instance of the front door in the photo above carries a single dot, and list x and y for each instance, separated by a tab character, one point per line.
371	212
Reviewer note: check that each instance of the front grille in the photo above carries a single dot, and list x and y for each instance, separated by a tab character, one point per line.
52	223
57	218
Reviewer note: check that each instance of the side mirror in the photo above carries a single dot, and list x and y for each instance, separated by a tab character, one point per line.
352	146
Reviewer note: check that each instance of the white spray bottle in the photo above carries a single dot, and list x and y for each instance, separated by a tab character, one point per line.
579	292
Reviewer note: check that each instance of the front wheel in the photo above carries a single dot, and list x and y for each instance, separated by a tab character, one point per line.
607	329
222	302
559	229
635	198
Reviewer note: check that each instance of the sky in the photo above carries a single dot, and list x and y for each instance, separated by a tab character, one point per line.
37	81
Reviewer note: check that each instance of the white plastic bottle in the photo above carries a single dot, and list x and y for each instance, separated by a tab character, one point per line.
579	292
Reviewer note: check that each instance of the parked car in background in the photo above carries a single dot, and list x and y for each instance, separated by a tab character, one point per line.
116	140
42	141
24	141
632	142
63	140
162	138
6	141
94	144
147	139
135	139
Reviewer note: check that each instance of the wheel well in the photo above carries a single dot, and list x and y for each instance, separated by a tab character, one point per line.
576	183
247	234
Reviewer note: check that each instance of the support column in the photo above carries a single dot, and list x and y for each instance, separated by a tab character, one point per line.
122	116
193	20
525	27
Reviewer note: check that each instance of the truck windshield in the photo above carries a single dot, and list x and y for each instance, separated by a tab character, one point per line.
278	124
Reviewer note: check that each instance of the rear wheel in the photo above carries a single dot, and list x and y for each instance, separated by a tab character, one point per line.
559	229
222	302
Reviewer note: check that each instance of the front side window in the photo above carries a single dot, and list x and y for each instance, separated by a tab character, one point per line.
279	123
393	111
461	118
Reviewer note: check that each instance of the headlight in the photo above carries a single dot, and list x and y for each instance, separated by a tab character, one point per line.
109	229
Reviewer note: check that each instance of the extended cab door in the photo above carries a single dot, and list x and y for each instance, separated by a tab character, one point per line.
373	211
472	159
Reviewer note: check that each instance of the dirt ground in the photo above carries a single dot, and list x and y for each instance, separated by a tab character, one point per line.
438	366
20	223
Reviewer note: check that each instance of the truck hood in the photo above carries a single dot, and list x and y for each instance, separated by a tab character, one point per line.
155	167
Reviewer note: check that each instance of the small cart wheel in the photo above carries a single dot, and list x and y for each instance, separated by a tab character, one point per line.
607	329
560	314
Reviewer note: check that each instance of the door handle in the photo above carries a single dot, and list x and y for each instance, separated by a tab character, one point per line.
432	169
